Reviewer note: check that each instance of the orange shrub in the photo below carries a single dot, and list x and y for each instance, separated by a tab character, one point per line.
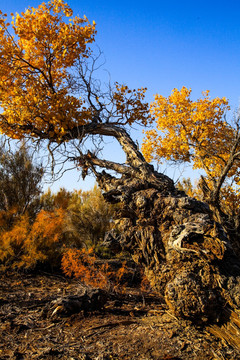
45	239
12	241
81	264
26	244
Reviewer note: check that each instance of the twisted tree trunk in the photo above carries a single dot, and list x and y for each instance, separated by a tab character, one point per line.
186	254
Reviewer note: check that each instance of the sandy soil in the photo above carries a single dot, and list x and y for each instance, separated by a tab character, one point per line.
132	326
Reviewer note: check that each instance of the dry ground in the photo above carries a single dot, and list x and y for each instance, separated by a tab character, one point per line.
132	326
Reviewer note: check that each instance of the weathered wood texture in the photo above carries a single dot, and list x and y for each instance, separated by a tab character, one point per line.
186	254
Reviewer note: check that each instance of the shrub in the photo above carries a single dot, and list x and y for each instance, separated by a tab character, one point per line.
28	244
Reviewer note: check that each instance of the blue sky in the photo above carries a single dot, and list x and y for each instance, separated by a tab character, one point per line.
162	45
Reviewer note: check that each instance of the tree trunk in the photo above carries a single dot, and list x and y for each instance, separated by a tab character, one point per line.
186	254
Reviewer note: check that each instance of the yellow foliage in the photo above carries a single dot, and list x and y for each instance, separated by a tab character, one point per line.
190	131
67	219
230	198
39	95
12	241
130	106
50	201
197	132
90	216
35	91
190	189
87	215
7	218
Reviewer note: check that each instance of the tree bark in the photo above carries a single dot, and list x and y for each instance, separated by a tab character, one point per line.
185	253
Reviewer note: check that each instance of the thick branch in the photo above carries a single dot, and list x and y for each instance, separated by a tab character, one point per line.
137	166
232	158
134	156
90	160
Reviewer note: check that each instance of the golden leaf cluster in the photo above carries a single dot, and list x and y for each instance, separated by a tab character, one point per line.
38	50
130	105
189	131
230	200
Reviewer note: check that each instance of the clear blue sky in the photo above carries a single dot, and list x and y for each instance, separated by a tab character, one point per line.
163	45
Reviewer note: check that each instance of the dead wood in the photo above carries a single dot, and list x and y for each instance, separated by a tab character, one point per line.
87	300
186	254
